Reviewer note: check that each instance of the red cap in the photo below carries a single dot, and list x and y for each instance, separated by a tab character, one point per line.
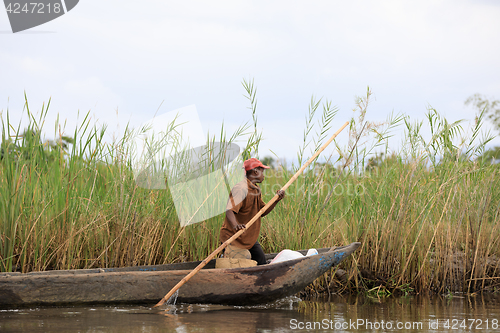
253	163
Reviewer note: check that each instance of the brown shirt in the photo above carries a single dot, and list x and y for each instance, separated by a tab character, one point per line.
245	200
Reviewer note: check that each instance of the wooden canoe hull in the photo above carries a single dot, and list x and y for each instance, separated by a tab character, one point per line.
148	284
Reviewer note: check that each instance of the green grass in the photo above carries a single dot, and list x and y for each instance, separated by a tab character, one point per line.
427	216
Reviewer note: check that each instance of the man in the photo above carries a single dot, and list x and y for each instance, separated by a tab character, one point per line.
245	201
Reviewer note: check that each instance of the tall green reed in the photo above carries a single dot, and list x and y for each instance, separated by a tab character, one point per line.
426	215
75	203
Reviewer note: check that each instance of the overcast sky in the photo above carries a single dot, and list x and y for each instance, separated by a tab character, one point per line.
123	59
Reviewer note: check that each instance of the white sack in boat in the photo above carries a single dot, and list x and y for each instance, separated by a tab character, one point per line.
290	255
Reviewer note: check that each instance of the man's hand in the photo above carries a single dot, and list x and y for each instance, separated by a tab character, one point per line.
238	227
233	221
281	195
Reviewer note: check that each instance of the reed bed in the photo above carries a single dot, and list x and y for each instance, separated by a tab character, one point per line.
427	215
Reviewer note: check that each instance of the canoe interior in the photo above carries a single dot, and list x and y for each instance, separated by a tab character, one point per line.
157	268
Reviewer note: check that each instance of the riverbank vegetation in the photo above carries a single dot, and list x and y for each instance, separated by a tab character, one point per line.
427	215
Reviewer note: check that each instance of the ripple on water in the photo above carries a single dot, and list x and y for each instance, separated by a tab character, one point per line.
279	316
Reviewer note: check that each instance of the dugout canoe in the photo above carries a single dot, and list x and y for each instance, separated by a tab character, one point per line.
148	284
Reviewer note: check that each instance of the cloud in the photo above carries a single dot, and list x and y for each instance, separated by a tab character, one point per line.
91	87
182	53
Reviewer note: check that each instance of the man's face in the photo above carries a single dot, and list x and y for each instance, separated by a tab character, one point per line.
258	174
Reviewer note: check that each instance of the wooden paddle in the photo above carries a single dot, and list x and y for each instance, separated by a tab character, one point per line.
237	234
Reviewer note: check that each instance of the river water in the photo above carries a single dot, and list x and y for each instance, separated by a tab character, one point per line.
452	313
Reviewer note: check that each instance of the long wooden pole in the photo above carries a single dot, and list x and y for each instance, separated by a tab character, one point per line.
237	234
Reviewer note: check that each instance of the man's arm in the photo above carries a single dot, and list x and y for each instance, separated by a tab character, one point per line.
281	195
232	221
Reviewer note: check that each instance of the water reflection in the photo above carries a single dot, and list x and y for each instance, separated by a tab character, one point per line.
338	313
